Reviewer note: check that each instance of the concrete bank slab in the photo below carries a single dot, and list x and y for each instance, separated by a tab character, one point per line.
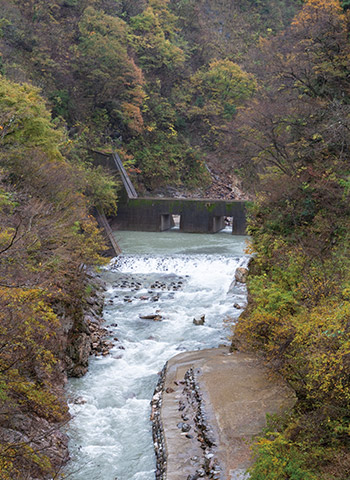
213	403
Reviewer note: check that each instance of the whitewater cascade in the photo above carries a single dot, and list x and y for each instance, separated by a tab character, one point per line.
111	433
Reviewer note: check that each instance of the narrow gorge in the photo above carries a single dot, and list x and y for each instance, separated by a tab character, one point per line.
220	112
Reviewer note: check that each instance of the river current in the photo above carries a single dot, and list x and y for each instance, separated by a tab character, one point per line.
178	277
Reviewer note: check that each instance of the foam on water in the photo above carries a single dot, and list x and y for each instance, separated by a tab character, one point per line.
111	433
177	264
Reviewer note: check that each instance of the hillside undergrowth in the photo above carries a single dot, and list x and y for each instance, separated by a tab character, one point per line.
297	149
47	236
159	81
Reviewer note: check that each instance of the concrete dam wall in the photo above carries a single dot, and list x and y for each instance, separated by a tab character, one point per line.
196	215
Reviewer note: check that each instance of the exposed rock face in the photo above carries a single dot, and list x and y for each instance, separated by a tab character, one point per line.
40	435
241	275
86	336
80	336
78	352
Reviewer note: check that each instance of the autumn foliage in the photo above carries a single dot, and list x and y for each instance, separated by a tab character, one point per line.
260	86
139	76
297	149
46	235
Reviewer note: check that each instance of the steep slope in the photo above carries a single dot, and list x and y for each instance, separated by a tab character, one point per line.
47	236
139	77
296	148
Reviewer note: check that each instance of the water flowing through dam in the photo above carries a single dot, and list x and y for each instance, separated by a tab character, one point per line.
177	277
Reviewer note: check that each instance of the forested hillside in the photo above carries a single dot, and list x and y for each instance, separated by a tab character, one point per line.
294	138
47	238
160	81
255	88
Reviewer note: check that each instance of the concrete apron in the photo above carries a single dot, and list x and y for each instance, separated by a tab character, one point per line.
236	392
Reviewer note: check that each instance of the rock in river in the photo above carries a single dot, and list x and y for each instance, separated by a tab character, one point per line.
154	316
199	321
241	275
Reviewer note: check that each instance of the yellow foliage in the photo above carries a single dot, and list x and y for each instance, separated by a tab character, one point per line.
314	9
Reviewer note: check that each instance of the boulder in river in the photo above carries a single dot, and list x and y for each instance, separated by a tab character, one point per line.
241	274
199	321
79	401
154	316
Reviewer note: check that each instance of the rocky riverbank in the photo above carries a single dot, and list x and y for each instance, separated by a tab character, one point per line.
85	334
81	334
206	408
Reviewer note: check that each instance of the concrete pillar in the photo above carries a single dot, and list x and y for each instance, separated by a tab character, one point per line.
218	224
239	225
166	222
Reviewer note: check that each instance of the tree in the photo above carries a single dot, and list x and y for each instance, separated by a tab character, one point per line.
216	92
107	74
155	38
295	137
220	88
308	66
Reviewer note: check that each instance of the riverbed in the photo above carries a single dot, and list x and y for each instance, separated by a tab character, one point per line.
177	277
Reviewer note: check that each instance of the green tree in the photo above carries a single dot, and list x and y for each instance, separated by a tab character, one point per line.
216	92
297	143
220	88
106	73
155	38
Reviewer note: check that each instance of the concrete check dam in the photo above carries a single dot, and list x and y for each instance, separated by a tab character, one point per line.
157	214
196	215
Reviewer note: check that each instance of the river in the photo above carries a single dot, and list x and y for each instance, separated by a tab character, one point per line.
179	277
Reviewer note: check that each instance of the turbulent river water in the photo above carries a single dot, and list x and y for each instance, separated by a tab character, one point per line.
180	277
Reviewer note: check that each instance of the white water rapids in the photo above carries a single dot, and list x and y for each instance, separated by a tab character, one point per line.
180	277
